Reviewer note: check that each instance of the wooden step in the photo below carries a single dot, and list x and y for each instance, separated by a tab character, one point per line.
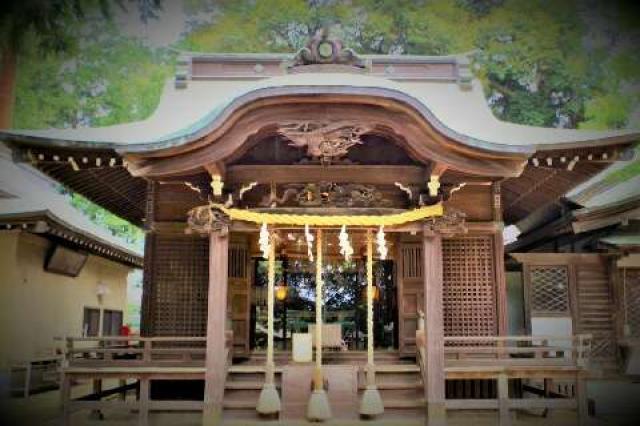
238	405
245	385
250	369
394	385
397	368
404	403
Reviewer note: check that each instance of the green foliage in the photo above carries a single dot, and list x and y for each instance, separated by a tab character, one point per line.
133	315
48	22
608	111
538	73
52	23
540	62
118	227
110	80
627	172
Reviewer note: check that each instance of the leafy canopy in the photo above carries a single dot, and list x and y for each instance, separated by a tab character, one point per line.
542	62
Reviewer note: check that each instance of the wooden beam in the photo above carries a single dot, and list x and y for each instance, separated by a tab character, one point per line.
217	168
434	375
375	174
216	359
177	228
558	258
586	225
438	169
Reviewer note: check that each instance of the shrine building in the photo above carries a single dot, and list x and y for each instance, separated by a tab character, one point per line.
382	184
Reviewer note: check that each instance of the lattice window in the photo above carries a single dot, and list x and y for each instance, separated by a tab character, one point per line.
469	288
603	345
631	281
180	285
412	261
549	289
238	261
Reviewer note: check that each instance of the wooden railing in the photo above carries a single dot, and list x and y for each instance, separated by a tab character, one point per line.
135	351
518	350
142	359
502	359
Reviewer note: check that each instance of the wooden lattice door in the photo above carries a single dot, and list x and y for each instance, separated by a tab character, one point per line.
469	287
176	282
239	293
410	294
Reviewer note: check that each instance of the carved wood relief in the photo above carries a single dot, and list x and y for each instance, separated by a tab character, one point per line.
324	141
204	220
326	194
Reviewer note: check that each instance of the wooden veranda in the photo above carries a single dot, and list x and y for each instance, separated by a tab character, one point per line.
482	373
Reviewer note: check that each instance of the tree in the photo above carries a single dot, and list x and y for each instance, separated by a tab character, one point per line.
51	23
542	62
115	225
109	79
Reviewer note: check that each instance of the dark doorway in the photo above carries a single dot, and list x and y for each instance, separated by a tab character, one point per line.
344	302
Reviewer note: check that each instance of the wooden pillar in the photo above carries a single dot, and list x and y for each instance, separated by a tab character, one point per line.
27	380
434	331
65	397
583	402
501	285
216	356
148	287
500	273
143	402
97	389
503	400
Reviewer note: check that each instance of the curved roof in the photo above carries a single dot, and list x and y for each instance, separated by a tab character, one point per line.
34	195
185	114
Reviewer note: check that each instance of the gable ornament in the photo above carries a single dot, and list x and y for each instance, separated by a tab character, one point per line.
321	50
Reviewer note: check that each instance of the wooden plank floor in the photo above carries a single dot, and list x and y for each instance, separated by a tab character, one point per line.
43	410
468	418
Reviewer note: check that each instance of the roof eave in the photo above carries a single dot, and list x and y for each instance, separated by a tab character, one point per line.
122	254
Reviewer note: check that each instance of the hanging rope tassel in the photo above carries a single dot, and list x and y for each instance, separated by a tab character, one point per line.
371	404
318	408
269	401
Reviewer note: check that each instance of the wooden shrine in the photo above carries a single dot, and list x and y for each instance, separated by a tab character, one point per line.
317	140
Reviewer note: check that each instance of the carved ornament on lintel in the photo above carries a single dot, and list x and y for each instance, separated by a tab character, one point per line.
452	222
326	194
326	141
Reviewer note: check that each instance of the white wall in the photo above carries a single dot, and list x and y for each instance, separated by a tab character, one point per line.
36	306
